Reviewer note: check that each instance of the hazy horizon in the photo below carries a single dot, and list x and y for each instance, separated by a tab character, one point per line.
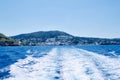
84	18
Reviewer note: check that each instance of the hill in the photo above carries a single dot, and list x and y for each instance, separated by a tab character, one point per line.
44	38
6	41
60	38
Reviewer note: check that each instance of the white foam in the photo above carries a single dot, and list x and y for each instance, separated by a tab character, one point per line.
71	63
34	68
110	67
113	53
76	66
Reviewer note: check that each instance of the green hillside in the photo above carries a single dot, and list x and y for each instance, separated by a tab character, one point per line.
6	41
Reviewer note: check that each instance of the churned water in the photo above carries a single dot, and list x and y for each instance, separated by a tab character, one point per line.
60	63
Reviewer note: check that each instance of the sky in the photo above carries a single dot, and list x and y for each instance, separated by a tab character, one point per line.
84	18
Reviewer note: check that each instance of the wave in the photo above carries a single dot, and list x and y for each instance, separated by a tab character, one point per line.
66	64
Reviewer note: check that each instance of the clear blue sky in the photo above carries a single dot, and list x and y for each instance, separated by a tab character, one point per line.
91	18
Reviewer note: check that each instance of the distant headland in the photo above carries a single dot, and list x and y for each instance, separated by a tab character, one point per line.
53	38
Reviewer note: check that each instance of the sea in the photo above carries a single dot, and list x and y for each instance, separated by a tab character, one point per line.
89	62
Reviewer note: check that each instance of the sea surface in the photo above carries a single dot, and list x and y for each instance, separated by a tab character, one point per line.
60	62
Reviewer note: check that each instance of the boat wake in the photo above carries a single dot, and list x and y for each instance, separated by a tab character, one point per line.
66	64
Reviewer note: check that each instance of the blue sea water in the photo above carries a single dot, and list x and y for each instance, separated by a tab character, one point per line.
60	62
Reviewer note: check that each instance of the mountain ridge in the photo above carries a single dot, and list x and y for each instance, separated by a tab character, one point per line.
43	33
